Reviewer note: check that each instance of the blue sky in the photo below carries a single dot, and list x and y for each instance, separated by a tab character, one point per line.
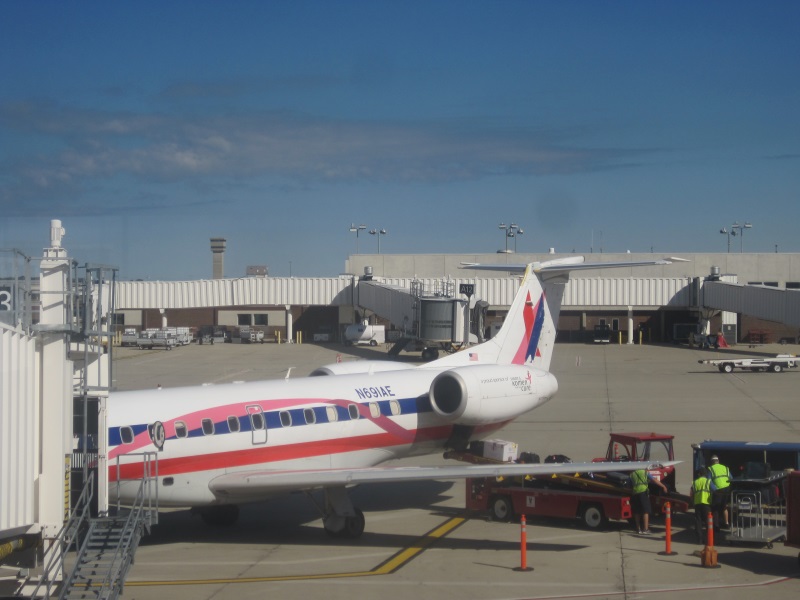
150	127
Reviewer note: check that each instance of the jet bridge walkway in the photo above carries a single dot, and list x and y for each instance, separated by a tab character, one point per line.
763	302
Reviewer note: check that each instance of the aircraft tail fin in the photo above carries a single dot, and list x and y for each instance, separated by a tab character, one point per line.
528	333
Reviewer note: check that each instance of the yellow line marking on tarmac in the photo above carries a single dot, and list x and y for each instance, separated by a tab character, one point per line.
391	565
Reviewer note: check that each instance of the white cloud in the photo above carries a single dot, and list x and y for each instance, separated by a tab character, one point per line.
84	147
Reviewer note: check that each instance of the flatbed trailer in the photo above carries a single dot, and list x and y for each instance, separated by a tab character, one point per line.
507	500
775	364
594	498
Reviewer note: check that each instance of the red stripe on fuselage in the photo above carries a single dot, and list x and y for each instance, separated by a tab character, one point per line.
266	455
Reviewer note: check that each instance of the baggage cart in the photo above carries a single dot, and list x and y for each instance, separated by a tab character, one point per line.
758	515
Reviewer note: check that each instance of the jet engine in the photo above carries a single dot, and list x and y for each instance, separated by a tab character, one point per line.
482	394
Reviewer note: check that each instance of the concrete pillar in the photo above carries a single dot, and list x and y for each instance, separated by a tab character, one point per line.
55	404
630	325
289	333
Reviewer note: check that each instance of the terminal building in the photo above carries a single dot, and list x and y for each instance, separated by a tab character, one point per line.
652	304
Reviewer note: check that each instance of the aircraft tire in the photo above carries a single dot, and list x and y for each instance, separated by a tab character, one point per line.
353	527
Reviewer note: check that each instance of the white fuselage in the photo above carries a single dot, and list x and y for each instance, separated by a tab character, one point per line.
315	423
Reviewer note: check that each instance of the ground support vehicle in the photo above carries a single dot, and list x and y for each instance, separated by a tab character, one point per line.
183	335
654	448
129	337
250	335
364	333
508	499
594	498
156	339
793	511
775	364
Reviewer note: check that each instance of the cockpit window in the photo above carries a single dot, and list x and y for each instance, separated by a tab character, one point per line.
180	429
208	427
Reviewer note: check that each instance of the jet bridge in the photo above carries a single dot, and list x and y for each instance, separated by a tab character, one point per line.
55	349
426	312
763	302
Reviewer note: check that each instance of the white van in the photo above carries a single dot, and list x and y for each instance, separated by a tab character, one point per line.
363	333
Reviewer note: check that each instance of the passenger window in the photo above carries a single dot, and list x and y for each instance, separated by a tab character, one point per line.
394	406
180	429
374	410
353	410
208	427
233	424
332	414
309	415
126	435
257	421
286	418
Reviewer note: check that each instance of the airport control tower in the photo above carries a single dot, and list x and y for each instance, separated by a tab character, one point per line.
218	248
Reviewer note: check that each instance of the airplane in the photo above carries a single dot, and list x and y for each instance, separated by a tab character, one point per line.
224	445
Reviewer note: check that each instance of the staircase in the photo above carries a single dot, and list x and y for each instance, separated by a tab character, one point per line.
104	558
104	546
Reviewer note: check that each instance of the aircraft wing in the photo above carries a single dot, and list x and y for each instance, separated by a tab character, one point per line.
255	484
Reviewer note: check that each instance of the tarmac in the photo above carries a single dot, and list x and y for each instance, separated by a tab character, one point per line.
420	543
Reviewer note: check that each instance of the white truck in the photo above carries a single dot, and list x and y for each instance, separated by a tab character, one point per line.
129	337
761	363
363	333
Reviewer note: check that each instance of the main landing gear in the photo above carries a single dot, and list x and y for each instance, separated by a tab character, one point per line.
339	517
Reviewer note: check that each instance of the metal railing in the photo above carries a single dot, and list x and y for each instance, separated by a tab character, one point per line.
68	535
146	500
757	516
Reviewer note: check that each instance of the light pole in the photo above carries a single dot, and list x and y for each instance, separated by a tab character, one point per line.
725	231
356	229
515	235
379	233
741	229
508	232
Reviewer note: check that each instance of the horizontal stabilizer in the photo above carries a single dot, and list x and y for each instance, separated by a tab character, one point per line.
572	263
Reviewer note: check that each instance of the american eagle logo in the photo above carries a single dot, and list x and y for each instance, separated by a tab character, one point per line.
533	316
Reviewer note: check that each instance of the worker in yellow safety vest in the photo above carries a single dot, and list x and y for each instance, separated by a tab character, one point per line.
640	500
720	476
701	493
